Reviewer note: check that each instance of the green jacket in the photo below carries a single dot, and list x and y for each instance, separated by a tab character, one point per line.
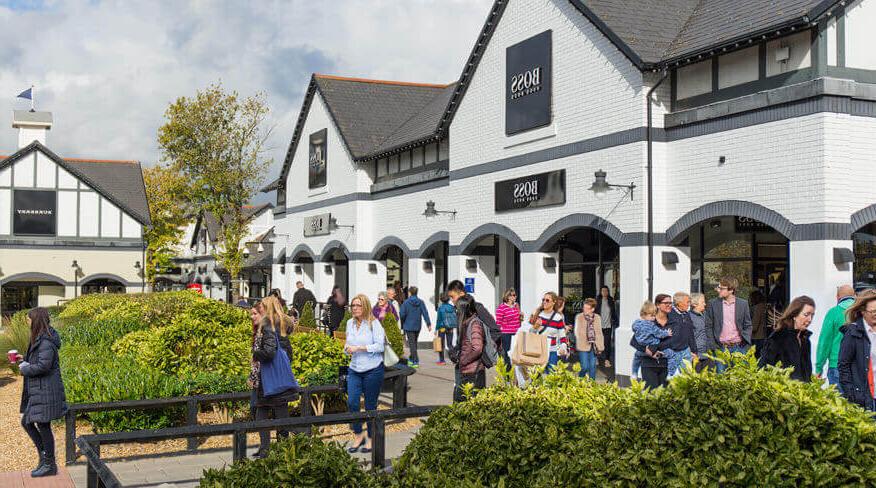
830	338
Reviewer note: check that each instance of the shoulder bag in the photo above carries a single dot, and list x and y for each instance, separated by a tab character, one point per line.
277	375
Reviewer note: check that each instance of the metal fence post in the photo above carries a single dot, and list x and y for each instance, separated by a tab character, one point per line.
400	392
192	419
378	442
238	446
70	437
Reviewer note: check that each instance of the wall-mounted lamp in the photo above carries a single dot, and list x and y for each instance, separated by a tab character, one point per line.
549	262
601	186
333	224
76	271
245	251
843	255
261	248
137	265
431	212
282	269
427	266
669	258
298	269
471	264
328	269
372	268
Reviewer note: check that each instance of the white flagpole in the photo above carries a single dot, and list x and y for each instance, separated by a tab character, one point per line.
32	92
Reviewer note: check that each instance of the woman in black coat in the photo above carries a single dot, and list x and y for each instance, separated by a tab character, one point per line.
272	333
337	305
42	398
789	344
854	363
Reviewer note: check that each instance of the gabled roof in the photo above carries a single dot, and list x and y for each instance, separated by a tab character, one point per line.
653	34
374	117
120	182
212	223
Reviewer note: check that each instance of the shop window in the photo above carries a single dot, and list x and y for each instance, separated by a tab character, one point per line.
864	242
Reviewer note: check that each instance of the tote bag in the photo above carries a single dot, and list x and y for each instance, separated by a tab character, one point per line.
390	358
277	375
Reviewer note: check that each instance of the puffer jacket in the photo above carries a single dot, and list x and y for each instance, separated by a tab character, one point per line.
42	397
855	365
471	345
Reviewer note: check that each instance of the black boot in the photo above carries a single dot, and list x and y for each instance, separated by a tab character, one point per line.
49	468
40	464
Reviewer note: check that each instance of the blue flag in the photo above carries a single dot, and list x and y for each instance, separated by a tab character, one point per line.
28	94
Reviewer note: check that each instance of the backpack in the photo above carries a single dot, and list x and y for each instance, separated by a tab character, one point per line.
489	355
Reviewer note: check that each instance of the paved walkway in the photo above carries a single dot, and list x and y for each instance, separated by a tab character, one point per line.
22	479
431	385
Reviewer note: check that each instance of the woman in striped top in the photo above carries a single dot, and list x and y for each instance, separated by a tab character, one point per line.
548	321
508	319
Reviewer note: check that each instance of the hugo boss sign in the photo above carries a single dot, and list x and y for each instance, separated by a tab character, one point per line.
528	84
538	190
33	212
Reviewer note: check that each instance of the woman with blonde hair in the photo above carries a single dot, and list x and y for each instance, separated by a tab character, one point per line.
272	352
365	342
549	321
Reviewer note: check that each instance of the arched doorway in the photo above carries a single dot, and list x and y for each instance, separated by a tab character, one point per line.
499	260
864	269
744	248
29	290
102	285
396	265
437	248
337	257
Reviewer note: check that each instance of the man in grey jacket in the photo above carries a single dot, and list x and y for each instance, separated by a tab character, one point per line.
728	320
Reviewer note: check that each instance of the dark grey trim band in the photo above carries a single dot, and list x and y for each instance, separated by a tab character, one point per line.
34	277
386	242
730	207
363	196
598	143
298	251
102	276
331	247
429	244
550	235
72	244
485	230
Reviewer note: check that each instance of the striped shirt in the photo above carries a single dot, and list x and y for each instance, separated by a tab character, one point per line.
508	319
553	325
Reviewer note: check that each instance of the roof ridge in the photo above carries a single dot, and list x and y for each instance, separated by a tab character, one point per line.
381	82
681	29
84	160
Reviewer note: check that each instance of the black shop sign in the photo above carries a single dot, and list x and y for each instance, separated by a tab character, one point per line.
34	212
316	166
528	84
533	191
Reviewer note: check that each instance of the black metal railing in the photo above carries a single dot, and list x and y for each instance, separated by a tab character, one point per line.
99	475
396	379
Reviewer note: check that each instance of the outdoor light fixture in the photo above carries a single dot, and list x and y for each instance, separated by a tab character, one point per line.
372	268
76	271
246	251
261	248
471	264
601	186
549	263
427	266
328	269
333	224
843	255
282	269
298	269
137	265
669	258
431	212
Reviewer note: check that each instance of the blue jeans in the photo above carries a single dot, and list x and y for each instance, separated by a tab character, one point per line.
553	358
743	348
588	363
637	364
367	383
676	361
833	378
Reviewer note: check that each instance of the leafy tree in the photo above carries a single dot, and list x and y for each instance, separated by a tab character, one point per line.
165	189
216	141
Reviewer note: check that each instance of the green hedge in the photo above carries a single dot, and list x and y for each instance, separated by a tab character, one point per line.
746	427
394	334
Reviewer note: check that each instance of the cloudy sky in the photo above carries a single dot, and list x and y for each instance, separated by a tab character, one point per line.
108	70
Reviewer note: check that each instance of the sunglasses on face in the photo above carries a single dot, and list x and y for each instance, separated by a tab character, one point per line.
547	300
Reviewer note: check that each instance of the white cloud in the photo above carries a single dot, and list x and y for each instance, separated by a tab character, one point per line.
107	70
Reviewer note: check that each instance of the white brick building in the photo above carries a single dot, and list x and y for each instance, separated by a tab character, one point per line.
763	125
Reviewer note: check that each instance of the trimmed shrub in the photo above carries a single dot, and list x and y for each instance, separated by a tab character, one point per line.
307	319
394	334
301	461
316	358
746	427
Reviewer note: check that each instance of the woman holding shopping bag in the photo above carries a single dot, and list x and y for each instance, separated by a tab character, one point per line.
271	376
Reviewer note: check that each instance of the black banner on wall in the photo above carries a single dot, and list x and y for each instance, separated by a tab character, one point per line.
539	190
316	167
34	212
528	84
